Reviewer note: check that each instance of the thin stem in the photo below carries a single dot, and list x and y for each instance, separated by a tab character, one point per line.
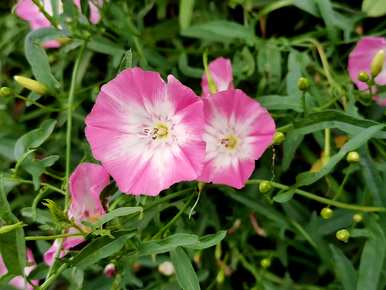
327	146
37	104
53	277
171	222
54	237
53	188
323	200
304	103
70	101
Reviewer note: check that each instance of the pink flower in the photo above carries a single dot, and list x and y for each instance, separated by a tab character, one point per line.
221	72
86	184
19	282
28	11
147	133
237	132
360	60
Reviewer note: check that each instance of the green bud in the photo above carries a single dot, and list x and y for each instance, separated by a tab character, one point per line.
363	76
265	263
9	228
357	218
265	186
278	138
303	84
5	91
377	63
200	186
31	85
343	235
353	157
326	213
220	276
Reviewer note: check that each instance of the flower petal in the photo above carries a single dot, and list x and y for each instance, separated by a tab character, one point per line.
68	244
86	184
126	107
233	113
221	73
360	59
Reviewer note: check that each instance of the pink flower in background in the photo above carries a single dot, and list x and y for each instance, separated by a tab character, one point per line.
221	72
147	133
237	132
19	282
86	184
28	11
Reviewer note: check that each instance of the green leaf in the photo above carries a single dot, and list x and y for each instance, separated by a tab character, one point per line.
344	269
186	276
34	138
328	15
37	56
308	6
372	258
284	196
188	70
220	31
269	63
119	212
99	249
208	241
275	102
36	167
374	8
307	178
12	244
186	12
166	245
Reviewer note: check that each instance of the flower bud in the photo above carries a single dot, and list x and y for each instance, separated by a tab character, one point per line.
265	263
166	268
278	138
377	63
363	76
110	270
220	276
5	91
326	213
343	235
31	85
303	84
357	218
265	186
353	157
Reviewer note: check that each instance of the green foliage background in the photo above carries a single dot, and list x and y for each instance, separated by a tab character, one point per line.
271	45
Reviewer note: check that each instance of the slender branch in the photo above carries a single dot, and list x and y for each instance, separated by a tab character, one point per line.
323	200
54	237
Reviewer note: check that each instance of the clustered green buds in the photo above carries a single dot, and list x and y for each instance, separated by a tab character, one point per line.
343	235
5	92
31	85
377	63
363	76
326	213
278	138
265	186
303	84
353	157
357	218
265	263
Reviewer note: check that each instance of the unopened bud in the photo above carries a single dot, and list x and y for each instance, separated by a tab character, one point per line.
5	91
110	270
353	157
326	213
265	263
357	217
265	186
377	63
343	235
363	76
220	276
31	85
278	138
166	268
303	84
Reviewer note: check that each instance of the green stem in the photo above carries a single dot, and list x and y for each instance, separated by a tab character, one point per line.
323	200
45	13
37	104
327	146
53	277
172	221
53	188
70	101
304	103
54	237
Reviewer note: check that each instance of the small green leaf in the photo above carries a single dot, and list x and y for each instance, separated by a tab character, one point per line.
34	138
344	269
208	241
119	212
186	276
186	12
166	245
374	8
284	196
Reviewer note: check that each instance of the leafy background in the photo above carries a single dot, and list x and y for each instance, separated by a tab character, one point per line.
271	45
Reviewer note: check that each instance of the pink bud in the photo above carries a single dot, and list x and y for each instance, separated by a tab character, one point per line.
110	270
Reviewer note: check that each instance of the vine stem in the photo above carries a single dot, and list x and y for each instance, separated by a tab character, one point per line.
54	237
70	101
320	199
